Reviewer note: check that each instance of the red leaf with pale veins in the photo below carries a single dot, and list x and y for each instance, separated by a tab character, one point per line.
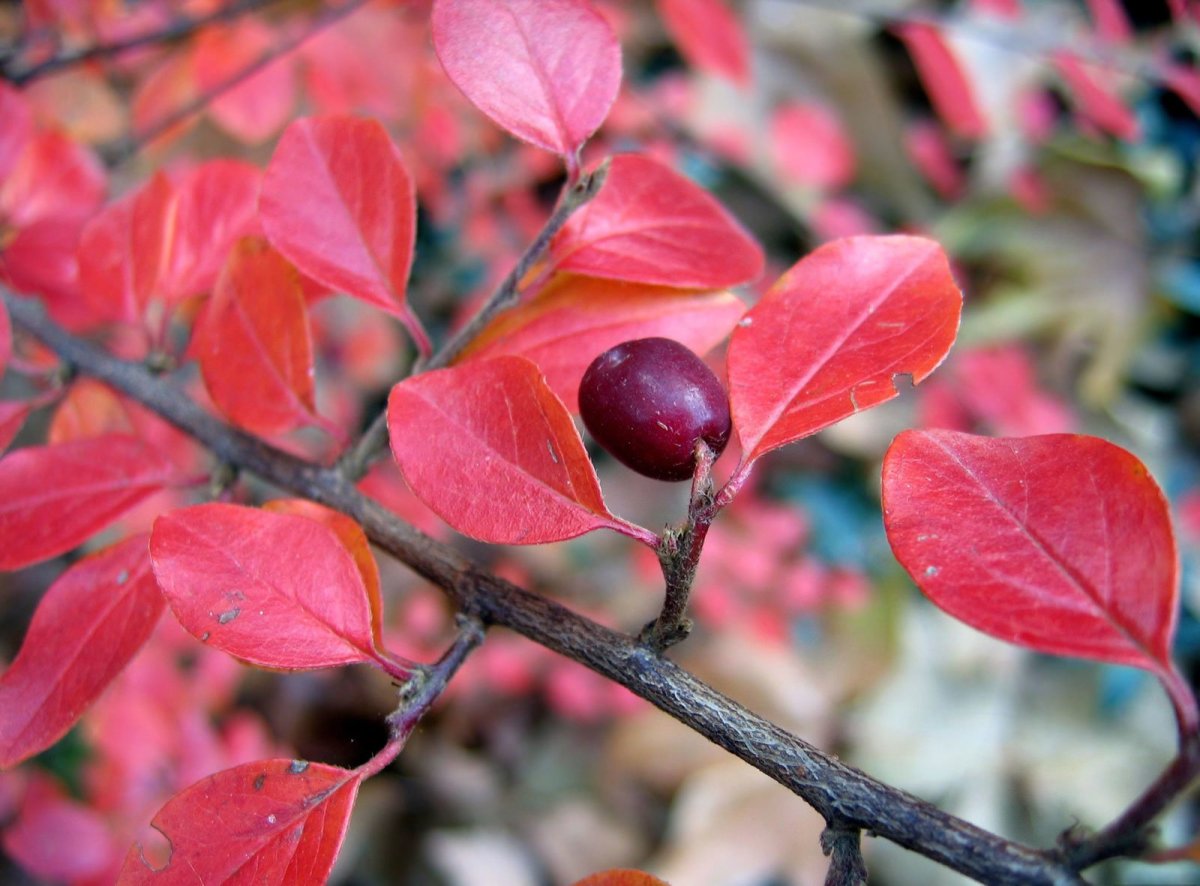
337	200
709	36
86	628
273	821
121	252
276	590
52	498
254	344
827	339
1060	543
944	78
495	454
353	539
216	205
545	70
575	319
649	224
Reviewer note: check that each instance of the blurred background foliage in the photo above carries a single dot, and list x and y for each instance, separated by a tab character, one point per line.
1075	227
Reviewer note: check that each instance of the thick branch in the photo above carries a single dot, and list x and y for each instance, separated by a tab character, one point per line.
839	792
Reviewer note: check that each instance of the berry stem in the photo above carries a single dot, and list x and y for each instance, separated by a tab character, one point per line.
679	554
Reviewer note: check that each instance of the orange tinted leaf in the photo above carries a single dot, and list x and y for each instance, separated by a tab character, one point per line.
52	498
88	625
574	319
254	345
494	453
621	877
276	590
827	339
545	70
649	224
274	821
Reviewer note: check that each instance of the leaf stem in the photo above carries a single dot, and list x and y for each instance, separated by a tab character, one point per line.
679	555
356	461
423	687
843	846
1129	833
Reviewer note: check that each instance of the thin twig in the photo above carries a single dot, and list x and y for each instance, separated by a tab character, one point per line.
176	29
836	790
679	555
423	687
573	197
118	152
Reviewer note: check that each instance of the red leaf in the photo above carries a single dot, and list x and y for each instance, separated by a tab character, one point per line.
49	823
86	628
121	252
262	103
574	319
495	454
17	129
216	205
1094	100
810	146
276	590
54	178
52	498
338	202
827	339
1060	543
254	344
649	224
545	70
273	821
944	79
1112	25
353	539
709	36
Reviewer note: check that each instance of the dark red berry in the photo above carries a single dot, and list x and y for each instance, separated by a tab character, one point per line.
648	401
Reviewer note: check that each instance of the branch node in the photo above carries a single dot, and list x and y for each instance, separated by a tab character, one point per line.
842	843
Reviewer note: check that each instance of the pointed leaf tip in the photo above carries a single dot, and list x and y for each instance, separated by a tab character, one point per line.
275	821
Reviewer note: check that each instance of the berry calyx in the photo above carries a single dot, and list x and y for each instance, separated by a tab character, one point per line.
648	401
